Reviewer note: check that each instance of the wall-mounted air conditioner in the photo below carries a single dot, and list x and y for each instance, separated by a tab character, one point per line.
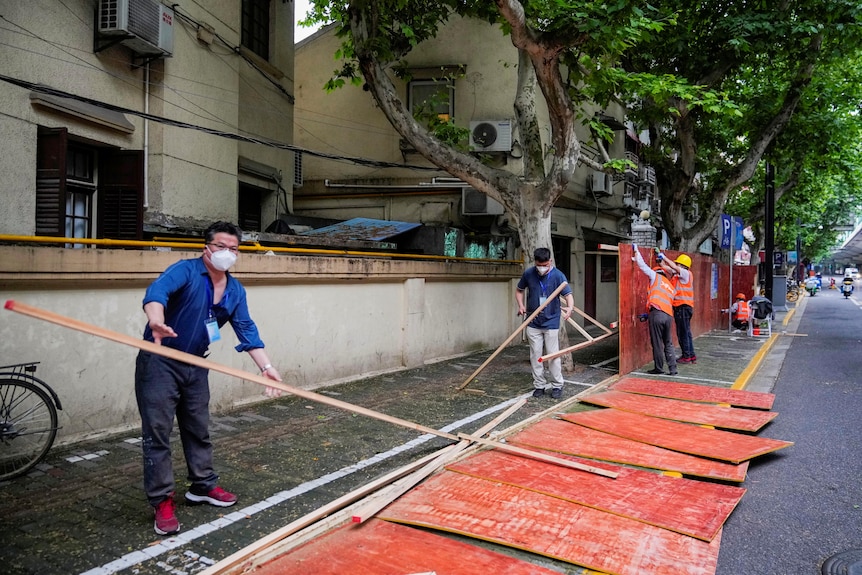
491	135
475	203
647	174
144	26
601	183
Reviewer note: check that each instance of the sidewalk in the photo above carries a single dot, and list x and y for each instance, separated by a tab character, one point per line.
83	510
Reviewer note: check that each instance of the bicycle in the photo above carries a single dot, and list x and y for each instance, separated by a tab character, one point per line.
28	419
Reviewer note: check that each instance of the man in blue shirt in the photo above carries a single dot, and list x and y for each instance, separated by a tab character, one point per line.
540	281
185	307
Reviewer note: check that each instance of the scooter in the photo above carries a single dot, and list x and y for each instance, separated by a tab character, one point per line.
811	286
846	290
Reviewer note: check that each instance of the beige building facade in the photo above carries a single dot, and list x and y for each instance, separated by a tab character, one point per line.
478	65
124	143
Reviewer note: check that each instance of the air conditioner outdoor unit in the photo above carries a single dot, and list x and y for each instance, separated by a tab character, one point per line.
491	135
143	26
475	203
601	183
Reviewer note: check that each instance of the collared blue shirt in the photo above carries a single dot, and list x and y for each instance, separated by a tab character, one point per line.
537	286
186	291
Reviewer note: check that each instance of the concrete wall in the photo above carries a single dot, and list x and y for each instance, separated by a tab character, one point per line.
323	319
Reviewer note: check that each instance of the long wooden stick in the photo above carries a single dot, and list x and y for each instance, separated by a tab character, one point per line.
400	487
321	512
238	373
211	365
520	328
573	347
540	456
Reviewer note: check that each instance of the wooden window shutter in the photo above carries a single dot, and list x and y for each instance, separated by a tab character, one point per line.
51	182
121	195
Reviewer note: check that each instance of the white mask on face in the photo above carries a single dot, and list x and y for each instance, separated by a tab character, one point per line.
222	260
543	269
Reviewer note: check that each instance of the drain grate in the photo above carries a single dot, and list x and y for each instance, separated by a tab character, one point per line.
844	563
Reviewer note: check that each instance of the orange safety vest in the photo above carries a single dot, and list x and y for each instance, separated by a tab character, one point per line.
684	291
743	312
661	294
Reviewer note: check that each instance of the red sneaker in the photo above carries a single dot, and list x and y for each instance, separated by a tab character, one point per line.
166	520
218	497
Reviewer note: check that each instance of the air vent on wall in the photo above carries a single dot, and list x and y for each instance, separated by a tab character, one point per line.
143	26
475	203
491	135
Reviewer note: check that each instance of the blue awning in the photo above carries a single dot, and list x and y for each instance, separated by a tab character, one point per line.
363	229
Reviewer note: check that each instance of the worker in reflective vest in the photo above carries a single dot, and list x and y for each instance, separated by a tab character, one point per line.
660	309
683	305
741	312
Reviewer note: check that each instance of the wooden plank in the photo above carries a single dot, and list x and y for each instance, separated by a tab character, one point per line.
191	359
551	527
563	437
687	506
686	411
228	563
384	548
695	392
682	437
392	492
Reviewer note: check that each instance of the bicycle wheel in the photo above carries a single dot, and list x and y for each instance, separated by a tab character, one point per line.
28	426
792	296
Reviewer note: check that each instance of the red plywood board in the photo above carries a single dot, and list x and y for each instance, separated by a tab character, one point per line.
682	437
695	392
687	411
382	548
551	527
563	437
694	508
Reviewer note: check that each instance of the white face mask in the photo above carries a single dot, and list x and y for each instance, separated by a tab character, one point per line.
543	269
222	260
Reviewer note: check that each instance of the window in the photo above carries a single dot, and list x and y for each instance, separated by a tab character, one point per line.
427	98
255	26
249	207
84	191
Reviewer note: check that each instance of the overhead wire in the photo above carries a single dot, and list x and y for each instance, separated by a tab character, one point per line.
231	136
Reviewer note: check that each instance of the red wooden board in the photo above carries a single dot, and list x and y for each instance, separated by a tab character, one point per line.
683	437
695	392
563	437
552	527
381	548
694	508
687	411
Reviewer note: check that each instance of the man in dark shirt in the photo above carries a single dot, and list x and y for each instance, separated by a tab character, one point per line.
185	308
540	281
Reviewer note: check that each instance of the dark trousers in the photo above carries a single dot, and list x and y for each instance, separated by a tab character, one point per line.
682	318
660	330
165	388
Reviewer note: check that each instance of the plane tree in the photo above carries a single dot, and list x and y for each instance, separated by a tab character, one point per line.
567	56
770	59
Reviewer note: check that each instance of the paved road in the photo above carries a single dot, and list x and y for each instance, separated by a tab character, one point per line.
804	503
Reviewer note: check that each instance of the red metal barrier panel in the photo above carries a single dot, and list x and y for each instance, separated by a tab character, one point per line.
682	437
686	411
551	527
711	293
695	392
687	506
563	437
380	548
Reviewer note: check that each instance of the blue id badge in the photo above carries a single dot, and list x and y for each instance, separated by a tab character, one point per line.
542	299
212	329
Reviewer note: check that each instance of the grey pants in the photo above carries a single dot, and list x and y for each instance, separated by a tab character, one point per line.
545	342
660	330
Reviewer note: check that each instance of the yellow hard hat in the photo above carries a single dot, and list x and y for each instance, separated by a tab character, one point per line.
683	260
